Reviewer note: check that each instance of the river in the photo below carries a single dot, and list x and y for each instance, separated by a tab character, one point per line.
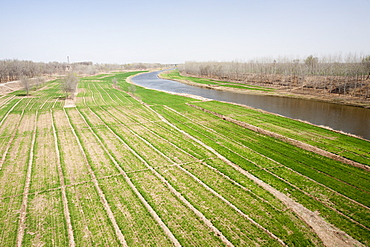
354	120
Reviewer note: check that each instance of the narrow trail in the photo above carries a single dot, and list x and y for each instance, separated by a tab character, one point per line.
330	235
104	201
23	209
66	212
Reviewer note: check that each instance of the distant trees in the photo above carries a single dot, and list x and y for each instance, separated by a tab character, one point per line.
13	69
348	75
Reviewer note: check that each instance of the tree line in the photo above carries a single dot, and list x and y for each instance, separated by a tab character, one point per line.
14	70
348	75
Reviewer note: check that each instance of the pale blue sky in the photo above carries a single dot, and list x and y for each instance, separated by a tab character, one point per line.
112	31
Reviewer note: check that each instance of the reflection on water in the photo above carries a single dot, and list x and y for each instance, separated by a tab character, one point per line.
349	119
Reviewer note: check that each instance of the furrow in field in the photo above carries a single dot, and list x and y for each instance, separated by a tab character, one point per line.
329	237
23	209
129	210
102	197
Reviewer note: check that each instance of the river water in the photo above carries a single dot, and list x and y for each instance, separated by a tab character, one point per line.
354	120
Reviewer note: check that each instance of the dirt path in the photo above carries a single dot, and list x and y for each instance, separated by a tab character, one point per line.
329	234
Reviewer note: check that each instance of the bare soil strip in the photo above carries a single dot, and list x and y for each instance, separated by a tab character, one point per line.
63	189
330	235
296	143
134	189
23	210
99	190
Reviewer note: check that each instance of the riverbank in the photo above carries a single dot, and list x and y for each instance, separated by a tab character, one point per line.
295	93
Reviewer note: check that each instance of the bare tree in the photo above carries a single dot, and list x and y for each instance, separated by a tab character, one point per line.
25	81
69	85
115	82
366	65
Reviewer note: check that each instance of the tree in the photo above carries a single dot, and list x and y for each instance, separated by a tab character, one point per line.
311	62
115	82
69	85
26	84
366	65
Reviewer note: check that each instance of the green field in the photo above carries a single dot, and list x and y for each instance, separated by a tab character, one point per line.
155	169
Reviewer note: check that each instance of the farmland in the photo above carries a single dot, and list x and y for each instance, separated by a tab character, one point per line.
145	168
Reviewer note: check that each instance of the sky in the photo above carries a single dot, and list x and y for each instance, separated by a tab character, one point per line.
164	31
